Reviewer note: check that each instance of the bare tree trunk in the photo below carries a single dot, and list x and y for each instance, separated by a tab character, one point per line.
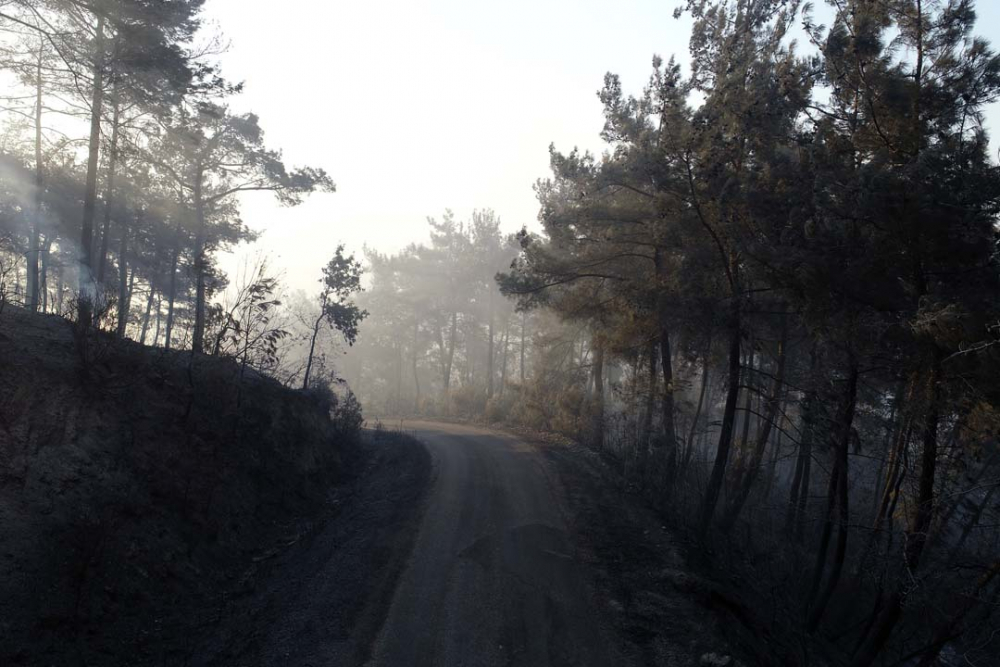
416	376
145	318
18	292
689	444
452	334
667	410
61	288
598	378
312	341
743	422
920	529
33	297
646	430
490	354
200	265
131	287
503	366
109	191
123	304
85	277
666	362
524	328
172	296
399	377
159	311
44	278
726	432
442	360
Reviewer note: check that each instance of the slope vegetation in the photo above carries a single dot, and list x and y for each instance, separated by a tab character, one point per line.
140	495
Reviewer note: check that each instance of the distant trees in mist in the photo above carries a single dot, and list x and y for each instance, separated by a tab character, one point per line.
439	331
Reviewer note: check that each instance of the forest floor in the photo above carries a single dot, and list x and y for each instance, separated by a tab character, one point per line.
665	608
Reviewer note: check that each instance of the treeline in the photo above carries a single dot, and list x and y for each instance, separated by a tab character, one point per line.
775	301
439	338
121	163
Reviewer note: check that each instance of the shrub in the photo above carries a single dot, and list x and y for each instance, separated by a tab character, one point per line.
344	408
468	401
501	407
346	414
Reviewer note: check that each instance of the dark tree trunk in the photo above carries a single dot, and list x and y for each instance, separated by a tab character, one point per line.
452	334
895	459
145	317
490	353
836	500
123	304
61	288
200	265
43	279
86	292
666	362
892	431
416	376
159	312
312	342
696	420
109	191
399	377
442	360
667	410
918	532
799	498
647	416
772	465
748	375
503	363
524	328
33	296
172	294
752	467
726	433
131	289
598	378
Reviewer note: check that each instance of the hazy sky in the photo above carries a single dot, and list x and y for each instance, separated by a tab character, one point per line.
415	107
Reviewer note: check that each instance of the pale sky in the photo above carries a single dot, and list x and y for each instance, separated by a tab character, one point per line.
415	107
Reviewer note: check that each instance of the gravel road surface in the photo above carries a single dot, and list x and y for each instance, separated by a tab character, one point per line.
493	578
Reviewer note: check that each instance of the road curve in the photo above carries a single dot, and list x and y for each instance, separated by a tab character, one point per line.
492	579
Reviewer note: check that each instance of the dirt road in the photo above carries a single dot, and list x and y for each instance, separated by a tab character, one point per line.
482	550
493	578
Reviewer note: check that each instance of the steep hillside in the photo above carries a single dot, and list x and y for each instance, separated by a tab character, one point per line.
138	493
